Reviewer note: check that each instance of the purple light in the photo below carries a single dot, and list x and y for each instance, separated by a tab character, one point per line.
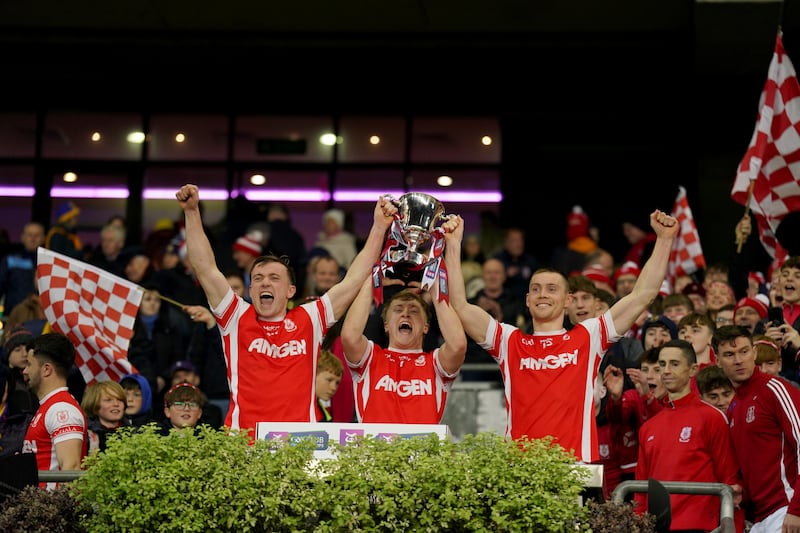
16	192
169	194
89	192
443	196
280	195
287	195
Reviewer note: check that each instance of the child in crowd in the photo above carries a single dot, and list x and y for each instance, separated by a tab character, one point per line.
628	408
329	375
768	357
676	306
183	406
138	400
715	387
104	404
698	329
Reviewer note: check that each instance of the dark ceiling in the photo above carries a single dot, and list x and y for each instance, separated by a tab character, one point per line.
638	93
503	56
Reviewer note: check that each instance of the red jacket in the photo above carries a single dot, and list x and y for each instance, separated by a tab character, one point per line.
764	424
688	441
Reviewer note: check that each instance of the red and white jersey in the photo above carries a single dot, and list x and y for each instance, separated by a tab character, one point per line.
549	381
400	386
272	366
58	419
625	417
687	441
765	426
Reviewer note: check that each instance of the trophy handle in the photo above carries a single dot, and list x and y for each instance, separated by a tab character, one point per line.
391	199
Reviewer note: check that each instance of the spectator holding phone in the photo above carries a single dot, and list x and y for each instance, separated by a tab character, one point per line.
784	321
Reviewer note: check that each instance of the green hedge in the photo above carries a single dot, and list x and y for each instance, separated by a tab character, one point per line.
215	481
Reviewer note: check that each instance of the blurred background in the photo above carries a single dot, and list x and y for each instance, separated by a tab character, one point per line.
528	107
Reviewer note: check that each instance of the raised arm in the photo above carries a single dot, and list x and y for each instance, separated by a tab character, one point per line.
474	319
198	249
627	310
354	342
454	349
343	293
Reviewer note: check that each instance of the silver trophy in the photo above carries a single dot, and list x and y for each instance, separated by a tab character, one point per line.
415	239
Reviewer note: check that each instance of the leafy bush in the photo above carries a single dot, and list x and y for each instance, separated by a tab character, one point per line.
214	481
36	510
424	484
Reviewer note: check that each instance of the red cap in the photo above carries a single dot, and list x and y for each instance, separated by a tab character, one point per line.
596	273
756	303
247	245
628	267
577	224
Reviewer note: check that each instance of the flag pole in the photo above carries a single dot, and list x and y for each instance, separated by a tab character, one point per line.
169	300
740	239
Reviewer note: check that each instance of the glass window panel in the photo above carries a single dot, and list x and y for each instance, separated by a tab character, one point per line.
168	179
188	137
357	190
69	135
468	182
17	135
360	136
304	192
16	199
90	185
288	185
16	175
99	196
455	140
278	137
366	184
162	182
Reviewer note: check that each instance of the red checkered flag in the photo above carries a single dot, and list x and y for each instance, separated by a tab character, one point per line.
686	256
767	178
94	309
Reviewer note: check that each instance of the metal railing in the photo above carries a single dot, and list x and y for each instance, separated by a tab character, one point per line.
725	493
57	476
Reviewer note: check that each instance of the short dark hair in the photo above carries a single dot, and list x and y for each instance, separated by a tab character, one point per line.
57	349
649	356
580	283
685	347
697	319
272	258
728	333
710	378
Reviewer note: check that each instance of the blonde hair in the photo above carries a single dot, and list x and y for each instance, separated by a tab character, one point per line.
406	295
331	363
766	349
94	393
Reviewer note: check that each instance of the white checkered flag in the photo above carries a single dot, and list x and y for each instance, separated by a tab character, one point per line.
768	177
96	310
686	256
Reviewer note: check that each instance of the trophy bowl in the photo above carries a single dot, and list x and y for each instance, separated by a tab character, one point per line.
419	211
418	214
